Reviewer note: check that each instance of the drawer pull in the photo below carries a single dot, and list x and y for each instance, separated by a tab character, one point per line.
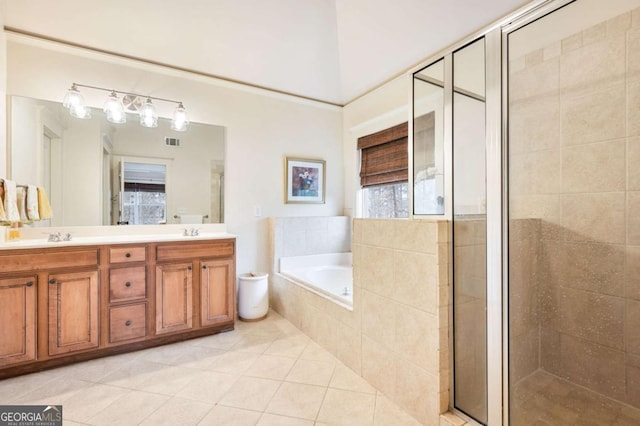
127	255
128	284
204	266
189	267
53	281
128	323
29	284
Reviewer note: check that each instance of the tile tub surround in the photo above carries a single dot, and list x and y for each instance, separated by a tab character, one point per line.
396	337
262	373
574	202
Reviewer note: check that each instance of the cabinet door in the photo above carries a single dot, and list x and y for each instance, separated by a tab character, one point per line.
217	292
17	320
73	312
174	301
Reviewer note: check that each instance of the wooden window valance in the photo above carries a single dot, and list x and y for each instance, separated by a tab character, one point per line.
385	156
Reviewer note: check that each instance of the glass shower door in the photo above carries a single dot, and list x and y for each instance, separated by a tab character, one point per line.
573	216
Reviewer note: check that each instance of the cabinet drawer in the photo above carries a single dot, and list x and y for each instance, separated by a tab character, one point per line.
127	254
127	322
127	284
48	260
192	250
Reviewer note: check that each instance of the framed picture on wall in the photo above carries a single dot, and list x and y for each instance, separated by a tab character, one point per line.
304	180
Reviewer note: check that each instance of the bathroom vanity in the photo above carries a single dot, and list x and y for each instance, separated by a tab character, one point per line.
67	302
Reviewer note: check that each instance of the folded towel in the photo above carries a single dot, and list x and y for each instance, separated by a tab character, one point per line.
11	201
44	208
22	203
32	202
3	214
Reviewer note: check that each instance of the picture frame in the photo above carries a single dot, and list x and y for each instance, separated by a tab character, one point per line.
304	181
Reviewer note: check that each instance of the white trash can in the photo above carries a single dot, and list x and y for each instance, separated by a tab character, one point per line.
253	296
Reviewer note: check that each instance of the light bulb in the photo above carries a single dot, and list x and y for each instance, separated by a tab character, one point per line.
148	115
114	109
180	120
73	97
80	111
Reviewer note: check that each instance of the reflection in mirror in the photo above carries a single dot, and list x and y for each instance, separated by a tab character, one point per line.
99	173
428	140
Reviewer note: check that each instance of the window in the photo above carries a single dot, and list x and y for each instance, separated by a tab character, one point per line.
384	173
144	203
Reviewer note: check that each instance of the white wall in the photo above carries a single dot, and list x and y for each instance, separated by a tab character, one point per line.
261	129
3	87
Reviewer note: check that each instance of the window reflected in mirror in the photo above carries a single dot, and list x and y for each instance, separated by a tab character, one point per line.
428	140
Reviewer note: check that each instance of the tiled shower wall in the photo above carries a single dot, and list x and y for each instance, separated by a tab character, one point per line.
396	337
574	209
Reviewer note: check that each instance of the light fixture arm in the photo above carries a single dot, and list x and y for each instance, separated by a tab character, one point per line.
126	93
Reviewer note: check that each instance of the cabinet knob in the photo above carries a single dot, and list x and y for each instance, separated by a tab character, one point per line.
29	284
127	255
204	266
53	281
189	267
127	284
127	323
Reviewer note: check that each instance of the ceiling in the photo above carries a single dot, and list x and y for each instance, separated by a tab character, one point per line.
330	50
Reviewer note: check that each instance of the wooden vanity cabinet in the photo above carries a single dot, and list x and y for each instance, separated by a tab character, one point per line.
73	311
17	319
60	305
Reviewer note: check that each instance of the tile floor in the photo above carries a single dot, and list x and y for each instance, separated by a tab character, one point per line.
261	373
543	399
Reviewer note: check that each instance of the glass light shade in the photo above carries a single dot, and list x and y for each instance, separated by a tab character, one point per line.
180	119
114	109
72	98
148	115
80	111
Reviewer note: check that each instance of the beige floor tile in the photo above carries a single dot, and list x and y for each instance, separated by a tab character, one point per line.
297	400
271	367
251	393
71	423
55	392
198	357
292	346
311	372
11	389
229	416
178	411
388	413
255	343
208	386
276	420
95	369
86	402
169	380
341	407
346	379
130	409
166	354
315	352
233	362
219	341
133	374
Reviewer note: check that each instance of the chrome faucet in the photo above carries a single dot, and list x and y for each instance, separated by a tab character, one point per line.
54	237
193	232
67	237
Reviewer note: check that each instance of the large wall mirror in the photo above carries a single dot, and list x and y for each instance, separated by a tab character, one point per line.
99	173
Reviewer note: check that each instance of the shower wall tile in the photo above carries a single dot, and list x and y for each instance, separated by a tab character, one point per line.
378	323
596	217
593	366
539	172
633	52
633	218
619	24
595	33
538	80
523	137
536	206
596	64
415	236
596	317
632	272
633	159
415	280
524	359
550	359
534	58
379	271
633	331
595	167
417	338
633	106
417	392
552	51
633	384
572	43
635	18
379	367
595	116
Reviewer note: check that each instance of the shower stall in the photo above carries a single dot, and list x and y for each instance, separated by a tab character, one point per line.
544	195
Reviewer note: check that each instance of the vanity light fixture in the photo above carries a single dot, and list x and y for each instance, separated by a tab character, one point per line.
117	113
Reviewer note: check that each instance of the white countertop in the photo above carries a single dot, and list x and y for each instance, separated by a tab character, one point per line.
84	236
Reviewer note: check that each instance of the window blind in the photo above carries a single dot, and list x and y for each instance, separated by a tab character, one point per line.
384	156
